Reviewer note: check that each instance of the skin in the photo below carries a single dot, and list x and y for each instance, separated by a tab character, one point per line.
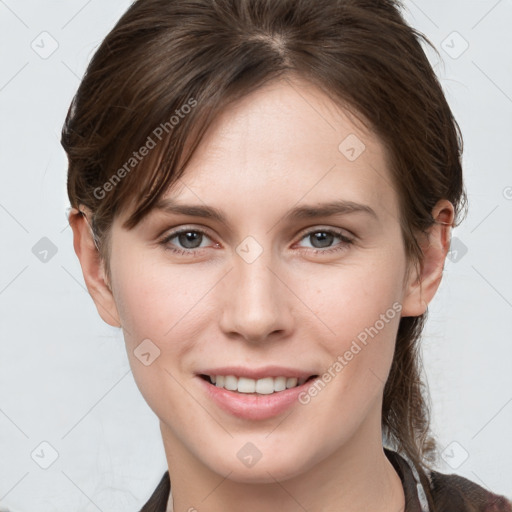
268	153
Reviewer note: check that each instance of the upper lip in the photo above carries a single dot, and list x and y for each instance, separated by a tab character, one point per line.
258	373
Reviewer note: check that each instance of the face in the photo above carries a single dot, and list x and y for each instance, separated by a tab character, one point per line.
271	292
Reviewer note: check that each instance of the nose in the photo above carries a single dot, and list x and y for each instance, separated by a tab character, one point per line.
256	304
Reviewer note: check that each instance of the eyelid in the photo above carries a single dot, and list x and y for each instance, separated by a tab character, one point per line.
180	228
319	227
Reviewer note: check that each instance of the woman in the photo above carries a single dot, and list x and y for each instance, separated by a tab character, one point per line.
263	193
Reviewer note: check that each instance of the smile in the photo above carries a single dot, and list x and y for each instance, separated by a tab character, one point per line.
254	394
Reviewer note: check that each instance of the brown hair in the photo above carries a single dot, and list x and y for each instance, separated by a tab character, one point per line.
166	54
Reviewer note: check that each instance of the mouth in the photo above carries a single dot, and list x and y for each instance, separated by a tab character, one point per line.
255	394
262	386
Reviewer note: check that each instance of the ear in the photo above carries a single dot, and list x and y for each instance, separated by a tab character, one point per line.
421	286
93	266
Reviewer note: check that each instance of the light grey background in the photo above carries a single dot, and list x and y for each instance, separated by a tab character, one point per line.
64	374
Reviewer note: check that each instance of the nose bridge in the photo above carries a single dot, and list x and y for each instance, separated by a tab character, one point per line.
253	305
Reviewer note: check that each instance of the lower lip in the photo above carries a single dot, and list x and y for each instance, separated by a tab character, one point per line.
252	406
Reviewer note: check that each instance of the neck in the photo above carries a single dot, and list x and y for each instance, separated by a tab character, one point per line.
357	477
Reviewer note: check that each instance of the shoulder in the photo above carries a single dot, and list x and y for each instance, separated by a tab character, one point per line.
454	492
448	492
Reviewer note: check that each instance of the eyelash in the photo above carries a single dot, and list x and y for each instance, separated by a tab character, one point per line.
193	252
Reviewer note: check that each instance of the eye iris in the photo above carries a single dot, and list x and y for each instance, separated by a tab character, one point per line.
325	239
190	236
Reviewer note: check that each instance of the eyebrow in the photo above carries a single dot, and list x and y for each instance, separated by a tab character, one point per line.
339	207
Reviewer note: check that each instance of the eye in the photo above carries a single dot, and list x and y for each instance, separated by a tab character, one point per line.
321	240
190	239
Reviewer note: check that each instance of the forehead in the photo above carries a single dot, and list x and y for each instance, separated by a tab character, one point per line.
292	139
285	144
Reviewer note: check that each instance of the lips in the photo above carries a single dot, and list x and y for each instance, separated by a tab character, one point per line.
255	394
258	373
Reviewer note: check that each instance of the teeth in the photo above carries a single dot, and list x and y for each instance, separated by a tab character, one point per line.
265	386
245	385
280	383
230	383
291	382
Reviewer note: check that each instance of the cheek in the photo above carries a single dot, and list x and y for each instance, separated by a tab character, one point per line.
361	307
352	297
156	307
152	300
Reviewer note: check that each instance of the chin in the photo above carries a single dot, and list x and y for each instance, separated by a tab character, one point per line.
264	471
263	475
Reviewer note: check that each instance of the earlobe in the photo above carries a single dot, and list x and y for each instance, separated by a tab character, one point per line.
423	283
93	266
